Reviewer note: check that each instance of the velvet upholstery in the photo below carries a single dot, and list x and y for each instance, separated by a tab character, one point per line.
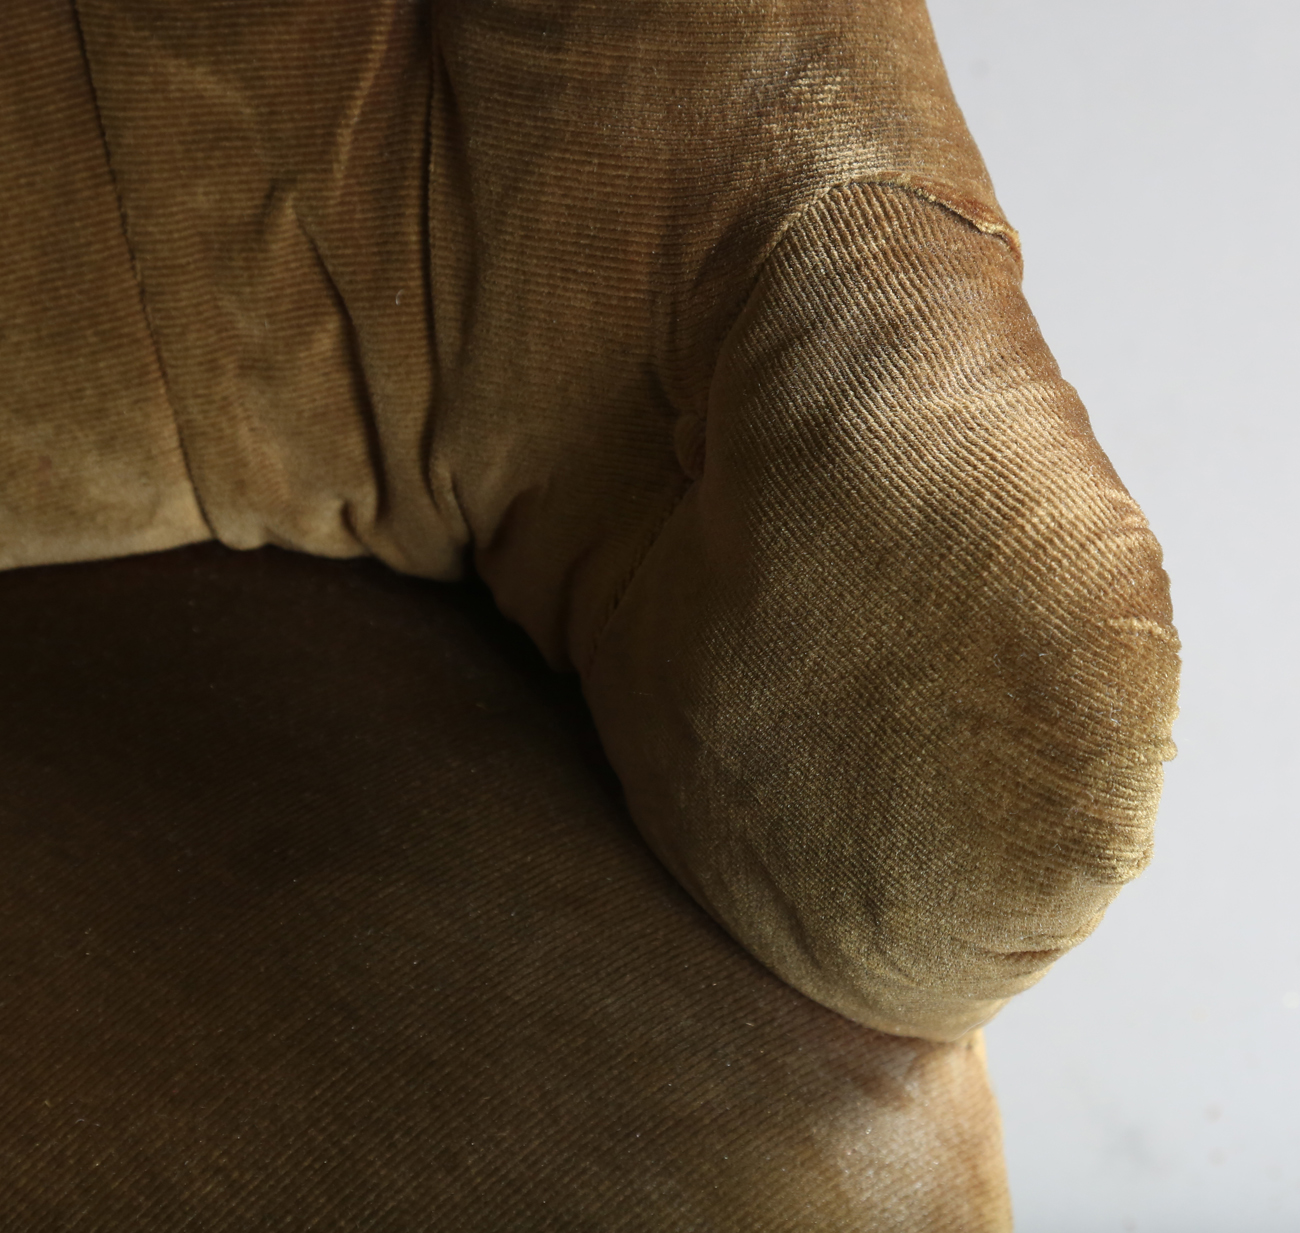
696	332
321	910
705	321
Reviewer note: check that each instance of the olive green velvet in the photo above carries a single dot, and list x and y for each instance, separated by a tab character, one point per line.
321	911
696	332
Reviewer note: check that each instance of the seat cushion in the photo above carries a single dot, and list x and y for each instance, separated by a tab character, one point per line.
322	911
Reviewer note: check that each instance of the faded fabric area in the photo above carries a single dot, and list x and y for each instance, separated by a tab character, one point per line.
336	920
892	690
699	328
90	463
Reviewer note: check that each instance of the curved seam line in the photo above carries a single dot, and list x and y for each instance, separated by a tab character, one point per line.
1005	233
136	274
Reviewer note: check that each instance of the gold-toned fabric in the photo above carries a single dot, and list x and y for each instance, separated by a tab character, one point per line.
321	911
699	328
90	464
891	692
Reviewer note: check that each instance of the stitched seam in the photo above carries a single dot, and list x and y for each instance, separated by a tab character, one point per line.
136	272
1005	233
620	592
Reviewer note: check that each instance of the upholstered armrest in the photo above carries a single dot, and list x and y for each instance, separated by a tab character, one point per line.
891	691
695	330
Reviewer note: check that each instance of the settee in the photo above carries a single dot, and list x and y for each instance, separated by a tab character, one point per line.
566	643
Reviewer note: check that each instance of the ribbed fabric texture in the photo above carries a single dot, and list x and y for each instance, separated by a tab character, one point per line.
321	911
272	163
606	181
699	327
90	463
892	690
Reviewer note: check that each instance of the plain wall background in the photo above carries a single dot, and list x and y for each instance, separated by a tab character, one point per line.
1149	152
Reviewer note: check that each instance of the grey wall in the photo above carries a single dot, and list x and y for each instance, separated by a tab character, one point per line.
1149	152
